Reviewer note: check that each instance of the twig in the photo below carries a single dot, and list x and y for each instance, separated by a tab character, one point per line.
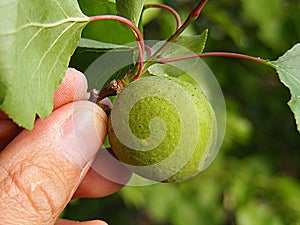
218	54
167	8
138	36
191	18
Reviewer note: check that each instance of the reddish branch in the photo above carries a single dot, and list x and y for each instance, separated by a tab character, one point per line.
191	18
138	36
167	8
219	54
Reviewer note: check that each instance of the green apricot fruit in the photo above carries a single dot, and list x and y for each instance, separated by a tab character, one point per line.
163	129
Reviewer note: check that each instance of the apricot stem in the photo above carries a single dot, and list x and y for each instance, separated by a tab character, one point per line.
113	88
167	8
138	36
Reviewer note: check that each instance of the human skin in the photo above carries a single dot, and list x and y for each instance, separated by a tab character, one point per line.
43	168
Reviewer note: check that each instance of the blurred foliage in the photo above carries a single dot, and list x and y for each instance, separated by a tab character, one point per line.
255	177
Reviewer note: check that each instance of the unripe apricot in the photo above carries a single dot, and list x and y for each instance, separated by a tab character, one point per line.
162	128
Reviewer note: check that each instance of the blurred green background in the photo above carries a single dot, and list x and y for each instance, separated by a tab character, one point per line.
255	178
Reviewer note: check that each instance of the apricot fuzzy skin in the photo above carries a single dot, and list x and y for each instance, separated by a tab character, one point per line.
162	128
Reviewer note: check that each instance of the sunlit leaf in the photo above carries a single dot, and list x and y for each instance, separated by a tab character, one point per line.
130	9
288	69
89	45
149	15
194	43
104	31
37	39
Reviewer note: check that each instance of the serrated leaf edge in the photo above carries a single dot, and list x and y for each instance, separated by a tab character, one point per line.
277	67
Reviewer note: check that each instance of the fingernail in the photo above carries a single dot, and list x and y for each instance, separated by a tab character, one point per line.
82	133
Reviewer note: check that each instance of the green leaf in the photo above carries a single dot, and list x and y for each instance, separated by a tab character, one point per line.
104	31
194	43
111	65
171	69
89	45
89	50
149	15
37	39
108	32
130	9
185	45
288	69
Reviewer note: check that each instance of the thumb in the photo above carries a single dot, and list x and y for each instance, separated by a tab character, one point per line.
40	169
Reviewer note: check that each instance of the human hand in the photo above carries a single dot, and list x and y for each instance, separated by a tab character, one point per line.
42	169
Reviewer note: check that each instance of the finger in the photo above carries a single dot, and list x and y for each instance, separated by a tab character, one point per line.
41	169
72	88
69	222
3	116
106	101
7	132
95	186
106	176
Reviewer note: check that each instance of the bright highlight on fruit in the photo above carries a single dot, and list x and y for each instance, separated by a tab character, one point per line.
163	129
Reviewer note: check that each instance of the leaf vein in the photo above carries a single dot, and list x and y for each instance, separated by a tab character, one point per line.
291	75
55	63
30	41
51	46
61	9
47	25
44	56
